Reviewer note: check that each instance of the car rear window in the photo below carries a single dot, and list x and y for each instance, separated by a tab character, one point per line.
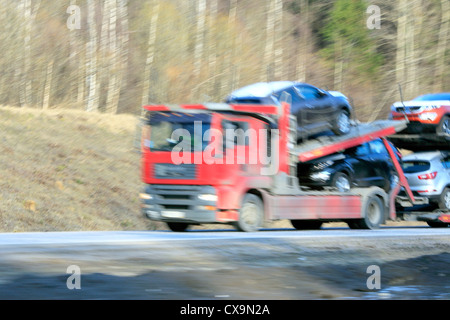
415	166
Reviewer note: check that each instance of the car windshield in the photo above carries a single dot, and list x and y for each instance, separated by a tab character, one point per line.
172	129
433	97
415	166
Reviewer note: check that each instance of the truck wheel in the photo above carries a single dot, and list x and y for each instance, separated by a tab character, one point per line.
177	226
444	125
251	215
437	224
374	215
306	224
342	123
444	199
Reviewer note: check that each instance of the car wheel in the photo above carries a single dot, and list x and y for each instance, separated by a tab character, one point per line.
251	215
342	125
444	126
444	199
342	182
177	226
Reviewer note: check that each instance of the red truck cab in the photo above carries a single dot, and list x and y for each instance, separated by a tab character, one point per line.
197	166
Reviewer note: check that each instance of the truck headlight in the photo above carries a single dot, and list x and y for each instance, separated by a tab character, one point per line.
208	197
145	196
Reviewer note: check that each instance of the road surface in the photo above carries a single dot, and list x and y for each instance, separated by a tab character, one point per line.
332	263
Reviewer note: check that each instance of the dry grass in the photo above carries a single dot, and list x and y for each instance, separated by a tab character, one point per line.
67	170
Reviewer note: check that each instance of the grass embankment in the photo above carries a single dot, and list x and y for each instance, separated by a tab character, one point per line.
68	170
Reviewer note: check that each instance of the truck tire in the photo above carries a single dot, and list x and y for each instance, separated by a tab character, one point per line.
373	215
437	224
251	214
444	199
306	224
177	226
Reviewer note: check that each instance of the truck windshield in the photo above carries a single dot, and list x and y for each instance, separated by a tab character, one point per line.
168	130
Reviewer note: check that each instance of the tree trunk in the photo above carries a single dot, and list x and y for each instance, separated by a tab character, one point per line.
150	55
212	61
29	15
91	61
124	43
339	65
402	21
267	67
303	43
199	37
234	68
278	40
48	85
444	35
114	69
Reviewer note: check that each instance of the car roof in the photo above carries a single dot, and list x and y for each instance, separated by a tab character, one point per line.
433	96
262	89
426	155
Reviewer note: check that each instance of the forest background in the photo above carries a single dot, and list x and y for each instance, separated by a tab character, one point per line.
113	56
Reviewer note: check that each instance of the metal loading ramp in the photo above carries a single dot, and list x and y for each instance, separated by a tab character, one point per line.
359	134
421	142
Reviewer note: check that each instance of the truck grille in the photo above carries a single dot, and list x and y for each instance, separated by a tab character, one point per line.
175	172
177	197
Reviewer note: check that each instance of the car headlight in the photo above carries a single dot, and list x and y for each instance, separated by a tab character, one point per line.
322	176
429	108
428	116
208	197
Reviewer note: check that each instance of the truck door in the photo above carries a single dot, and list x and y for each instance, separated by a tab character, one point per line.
241	143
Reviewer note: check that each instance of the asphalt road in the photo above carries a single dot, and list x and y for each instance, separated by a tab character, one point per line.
409	262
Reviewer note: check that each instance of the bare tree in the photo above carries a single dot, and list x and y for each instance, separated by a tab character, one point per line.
444	35
113	91
91	61
48	85
212	61
267	66
234	68
150	53
199	36
278	40
402	21
29	15
304	43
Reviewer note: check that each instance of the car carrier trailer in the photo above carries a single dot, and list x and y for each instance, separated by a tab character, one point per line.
188	183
